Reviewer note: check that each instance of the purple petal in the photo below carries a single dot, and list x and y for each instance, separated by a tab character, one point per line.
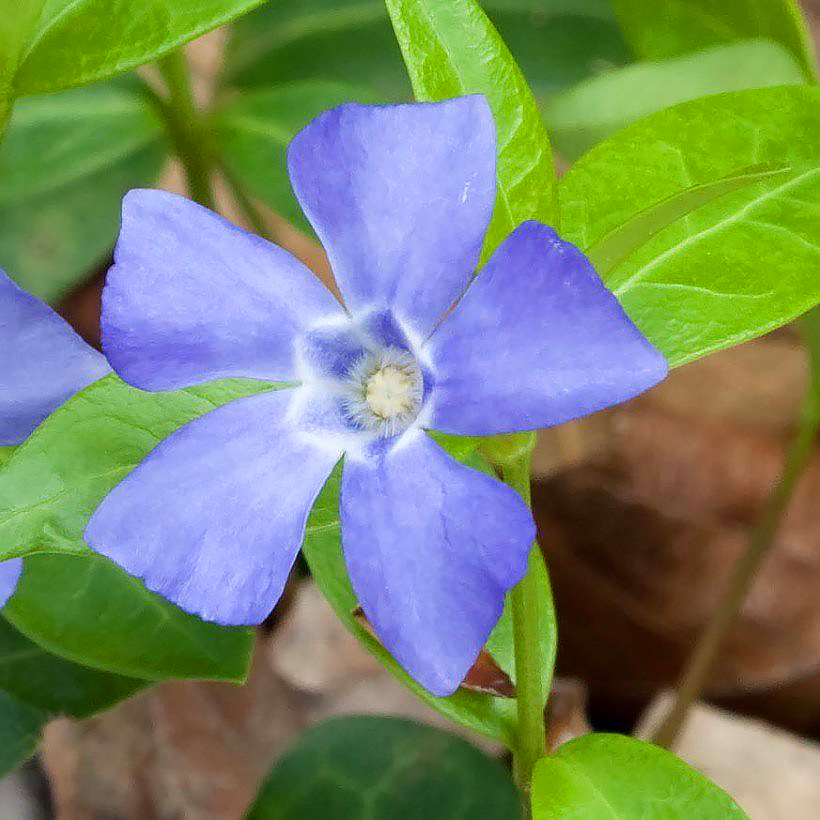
214	516
193	298
537	340
400	196
10	572
432	548
43	362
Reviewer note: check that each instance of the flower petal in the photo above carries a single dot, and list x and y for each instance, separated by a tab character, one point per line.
401	197
537	340
432	548
193	298
42	362
10	572
214	516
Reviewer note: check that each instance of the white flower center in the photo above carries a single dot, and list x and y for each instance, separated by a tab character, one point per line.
385	391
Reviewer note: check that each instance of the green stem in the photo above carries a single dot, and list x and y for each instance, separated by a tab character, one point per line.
696	672
530	741
252	214
186	127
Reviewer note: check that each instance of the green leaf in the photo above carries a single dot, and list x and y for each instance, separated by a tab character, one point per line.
451	48
583	116
322	549
556	42
19	18
66	162
53	685
254	130
20	728
675	27
733	268
381	768
84	608
87	610
612	776
75	42
58	139
283	42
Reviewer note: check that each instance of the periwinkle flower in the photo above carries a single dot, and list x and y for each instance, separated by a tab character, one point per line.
43	362
401	197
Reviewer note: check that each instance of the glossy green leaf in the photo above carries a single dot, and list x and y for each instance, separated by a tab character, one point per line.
451	48
19	19
255	128
78	41
556	42
735	267
84	608
591	111
66	162
59	139
87	610
559	43
339	40
322	549
20	728
620	778
675	27
384	768
51	684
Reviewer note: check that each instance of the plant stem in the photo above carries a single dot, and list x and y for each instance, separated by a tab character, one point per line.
186	127
252	214
696	672
530	742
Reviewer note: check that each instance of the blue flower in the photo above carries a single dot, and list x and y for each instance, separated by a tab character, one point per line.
42	363
401	197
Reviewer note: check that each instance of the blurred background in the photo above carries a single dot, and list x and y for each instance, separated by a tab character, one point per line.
642	510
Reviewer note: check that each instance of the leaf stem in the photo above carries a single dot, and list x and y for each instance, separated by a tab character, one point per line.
251	212
186	127
530	741
696	672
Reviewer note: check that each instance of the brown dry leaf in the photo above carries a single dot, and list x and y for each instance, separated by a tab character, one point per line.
641	535
185	750
566	712
314	652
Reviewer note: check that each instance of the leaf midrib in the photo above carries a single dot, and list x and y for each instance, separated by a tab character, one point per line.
718	226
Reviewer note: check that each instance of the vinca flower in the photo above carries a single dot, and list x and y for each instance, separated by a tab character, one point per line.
401	197
43	362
